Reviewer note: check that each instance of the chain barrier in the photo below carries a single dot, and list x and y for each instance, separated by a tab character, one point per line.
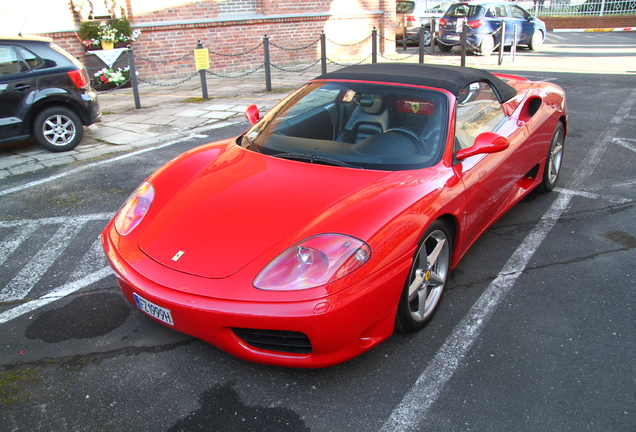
386	38
350	64
349	45
164	61
171	84
235	76
406	57
203	71
296	70
239	54
295	49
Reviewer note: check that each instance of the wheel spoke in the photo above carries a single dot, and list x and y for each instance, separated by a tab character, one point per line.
417	282
434	255
435	279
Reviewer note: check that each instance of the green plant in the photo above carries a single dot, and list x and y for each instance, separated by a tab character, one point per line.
122	25
88	30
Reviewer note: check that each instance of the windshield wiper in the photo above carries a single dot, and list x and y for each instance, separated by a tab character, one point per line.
315	158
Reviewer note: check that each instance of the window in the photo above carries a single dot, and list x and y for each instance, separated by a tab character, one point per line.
517	12
32	60
9	62
478	110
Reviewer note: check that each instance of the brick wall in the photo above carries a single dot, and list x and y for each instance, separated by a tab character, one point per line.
169	34
590	22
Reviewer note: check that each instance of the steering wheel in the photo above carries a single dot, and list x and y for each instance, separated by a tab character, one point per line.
420	145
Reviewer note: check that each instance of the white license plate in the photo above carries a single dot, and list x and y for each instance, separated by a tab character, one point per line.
162	314
453	37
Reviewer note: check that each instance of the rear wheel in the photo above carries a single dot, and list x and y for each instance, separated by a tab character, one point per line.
553	162
58	129
487	46
425	285
426	36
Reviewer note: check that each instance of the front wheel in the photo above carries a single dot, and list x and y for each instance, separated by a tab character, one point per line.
58	129
536	41
426	281
555	158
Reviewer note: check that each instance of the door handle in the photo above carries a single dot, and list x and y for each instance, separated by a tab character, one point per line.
21	87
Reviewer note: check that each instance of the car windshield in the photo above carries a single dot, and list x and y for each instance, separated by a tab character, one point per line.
461	10
357	125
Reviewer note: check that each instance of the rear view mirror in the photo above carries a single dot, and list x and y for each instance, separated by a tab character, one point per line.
486	142
252	115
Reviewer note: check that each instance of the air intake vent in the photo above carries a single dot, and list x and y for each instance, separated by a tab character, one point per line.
275	340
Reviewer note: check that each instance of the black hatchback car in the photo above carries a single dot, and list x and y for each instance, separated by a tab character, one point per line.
44	93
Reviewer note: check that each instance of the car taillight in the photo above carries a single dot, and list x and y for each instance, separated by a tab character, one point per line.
409	18
79	78
442	22
475	24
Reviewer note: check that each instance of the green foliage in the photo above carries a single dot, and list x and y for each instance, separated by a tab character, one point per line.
89	30
122	25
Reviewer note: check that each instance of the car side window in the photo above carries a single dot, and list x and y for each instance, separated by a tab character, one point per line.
32	60
9	61
478	110
517	12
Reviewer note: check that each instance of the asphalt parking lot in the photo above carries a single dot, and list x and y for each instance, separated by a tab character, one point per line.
536	330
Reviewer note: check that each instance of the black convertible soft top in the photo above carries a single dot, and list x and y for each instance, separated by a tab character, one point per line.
451	78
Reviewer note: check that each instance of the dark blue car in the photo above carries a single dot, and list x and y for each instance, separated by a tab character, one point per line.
484	19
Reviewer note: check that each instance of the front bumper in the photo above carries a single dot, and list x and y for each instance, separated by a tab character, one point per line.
338	327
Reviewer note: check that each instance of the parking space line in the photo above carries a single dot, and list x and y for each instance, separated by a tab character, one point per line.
413	408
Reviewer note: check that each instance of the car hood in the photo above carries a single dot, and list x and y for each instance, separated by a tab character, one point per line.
239	206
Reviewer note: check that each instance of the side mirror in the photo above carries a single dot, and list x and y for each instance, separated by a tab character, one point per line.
486	142
252	115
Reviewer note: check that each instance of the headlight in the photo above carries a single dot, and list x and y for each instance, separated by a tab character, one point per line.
313	262
134	209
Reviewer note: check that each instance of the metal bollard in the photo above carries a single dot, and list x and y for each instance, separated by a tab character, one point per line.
421	44
374	45
204	82
502	41
323	53
464	34
133	78
268	72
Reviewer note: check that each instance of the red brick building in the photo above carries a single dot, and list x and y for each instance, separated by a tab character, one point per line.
171	28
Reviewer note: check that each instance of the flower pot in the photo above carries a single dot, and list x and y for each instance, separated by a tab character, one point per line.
107	45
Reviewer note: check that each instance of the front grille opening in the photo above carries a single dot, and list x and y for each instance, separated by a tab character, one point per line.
275	340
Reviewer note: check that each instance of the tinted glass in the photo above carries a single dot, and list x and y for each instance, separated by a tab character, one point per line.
404	7
362	125
9	62
461	10
31	59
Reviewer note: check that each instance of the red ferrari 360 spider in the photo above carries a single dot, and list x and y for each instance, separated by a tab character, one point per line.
337	217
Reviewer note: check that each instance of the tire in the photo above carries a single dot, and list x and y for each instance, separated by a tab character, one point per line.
426	281
427	37
443	47
537	40
553	162
58	129
487	46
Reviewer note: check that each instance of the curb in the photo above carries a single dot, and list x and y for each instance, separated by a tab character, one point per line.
618	29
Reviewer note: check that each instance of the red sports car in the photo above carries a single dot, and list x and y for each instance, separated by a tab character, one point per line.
337	217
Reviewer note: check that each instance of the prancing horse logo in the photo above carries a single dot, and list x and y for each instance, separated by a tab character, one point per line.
177	256
415	106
